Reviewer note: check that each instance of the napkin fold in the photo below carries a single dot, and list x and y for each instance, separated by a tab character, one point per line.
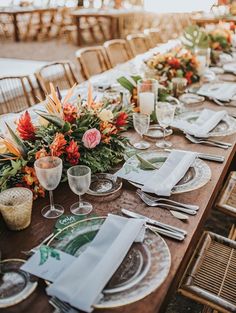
82	282
162	181
206	121
223	91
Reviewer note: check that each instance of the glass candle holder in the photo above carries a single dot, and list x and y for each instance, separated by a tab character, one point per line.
16	207
179	86
147	95
204	58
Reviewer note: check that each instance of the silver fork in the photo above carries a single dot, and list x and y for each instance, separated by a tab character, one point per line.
205	141
159	199
63	307
153	203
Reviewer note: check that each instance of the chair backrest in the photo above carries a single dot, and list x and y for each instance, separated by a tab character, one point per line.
92	60
138	43
59	73
16	94
153	35
117	51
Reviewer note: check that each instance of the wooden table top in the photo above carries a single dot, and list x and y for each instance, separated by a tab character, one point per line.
11	243
212	19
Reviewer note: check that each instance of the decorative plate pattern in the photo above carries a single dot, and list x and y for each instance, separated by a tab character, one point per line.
143	270
104	184
226	127
15	285
197	175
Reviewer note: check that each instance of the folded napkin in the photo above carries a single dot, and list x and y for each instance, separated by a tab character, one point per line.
206	121
82	282
222	91
162	181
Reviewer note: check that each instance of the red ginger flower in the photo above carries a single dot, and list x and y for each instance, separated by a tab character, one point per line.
174	62
188	76
25	127
58	145
70	112
73	154
122	119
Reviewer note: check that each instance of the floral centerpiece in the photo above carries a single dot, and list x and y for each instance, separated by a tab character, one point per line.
221	40
83	133
178	62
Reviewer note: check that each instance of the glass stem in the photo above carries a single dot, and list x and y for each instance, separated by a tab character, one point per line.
80	199
51	200
164	135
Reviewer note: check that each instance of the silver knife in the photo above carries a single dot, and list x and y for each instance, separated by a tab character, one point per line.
206	156
154	222
166	232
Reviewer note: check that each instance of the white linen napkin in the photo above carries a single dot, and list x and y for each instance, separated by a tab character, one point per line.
206	121
171	172
223	91
81	284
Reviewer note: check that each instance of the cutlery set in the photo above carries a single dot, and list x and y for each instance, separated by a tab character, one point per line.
209	142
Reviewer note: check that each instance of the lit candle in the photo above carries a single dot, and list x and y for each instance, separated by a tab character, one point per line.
202	63
146	102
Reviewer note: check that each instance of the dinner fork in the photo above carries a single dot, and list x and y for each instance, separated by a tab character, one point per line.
154	203
159	199
205	141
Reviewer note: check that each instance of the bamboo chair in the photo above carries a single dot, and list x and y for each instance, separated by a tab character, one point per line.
153	35
138	43
16	94
92	60
117	51
59	73
210	277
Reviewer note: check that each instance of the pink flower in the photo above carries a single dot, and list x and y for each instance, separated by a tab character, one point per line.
91	138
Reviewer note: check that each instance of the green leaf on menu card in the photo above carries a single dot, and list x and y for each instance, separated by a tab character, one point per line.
149	164
46	252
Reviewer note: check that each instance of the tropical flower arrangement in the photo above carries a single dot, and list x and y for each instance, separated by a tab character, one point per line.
221	39
87	132
178	62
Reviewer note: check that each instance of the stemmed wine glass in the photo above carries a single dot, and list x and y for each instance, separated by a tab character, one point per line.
79	178
165	114
141	125
48	170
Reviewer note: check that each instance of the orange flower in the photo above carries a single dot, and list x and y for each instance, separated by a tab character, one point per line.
11	147
107	129
174	62
25	127
58	145
73	154
70	112
41	153
188	76
30	176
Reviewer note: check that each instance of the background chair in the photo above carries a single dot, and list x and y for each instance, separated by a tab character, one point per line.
138	43
153	36
92	60
16	94
61	74
117	51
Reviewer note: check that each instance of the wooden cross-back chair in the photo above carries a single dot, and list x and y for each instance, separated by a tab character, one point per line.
16	94
210	277
60	73
92	60
117	51
138	43
153	36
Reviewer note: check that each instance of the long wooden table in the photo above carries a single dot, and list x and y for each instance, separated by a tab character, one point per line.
11	243
202	20
14	12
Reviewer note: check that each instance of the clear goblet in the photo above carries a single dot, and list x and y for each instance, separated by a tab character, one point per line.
141	124
79	178
165	114
48	170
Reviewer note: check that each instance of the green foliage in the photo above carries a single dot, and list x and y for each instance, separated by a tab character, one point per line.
194	37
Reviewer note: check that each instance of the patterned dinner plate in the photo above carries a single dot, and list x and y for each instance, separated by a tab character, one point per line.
197	175
227	126
15	284
143	270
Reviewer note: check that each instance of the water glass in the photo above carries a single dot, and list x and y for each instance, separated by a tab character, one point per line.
165	114
179	85
141	125
16	207
49	170
79	178
147	95
204	58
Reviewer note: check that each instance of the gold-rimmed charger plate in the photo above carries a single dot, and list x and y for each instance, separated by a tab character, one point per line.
197	175
15	285
144	268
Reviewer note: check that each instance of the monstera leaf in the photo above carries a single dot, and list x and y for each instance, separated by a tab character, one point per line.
194	37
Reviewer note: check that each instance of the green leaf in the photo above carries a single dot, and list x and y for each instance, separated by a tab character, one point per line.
46	252
194	37
145	164
124	82
20	145
56	120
